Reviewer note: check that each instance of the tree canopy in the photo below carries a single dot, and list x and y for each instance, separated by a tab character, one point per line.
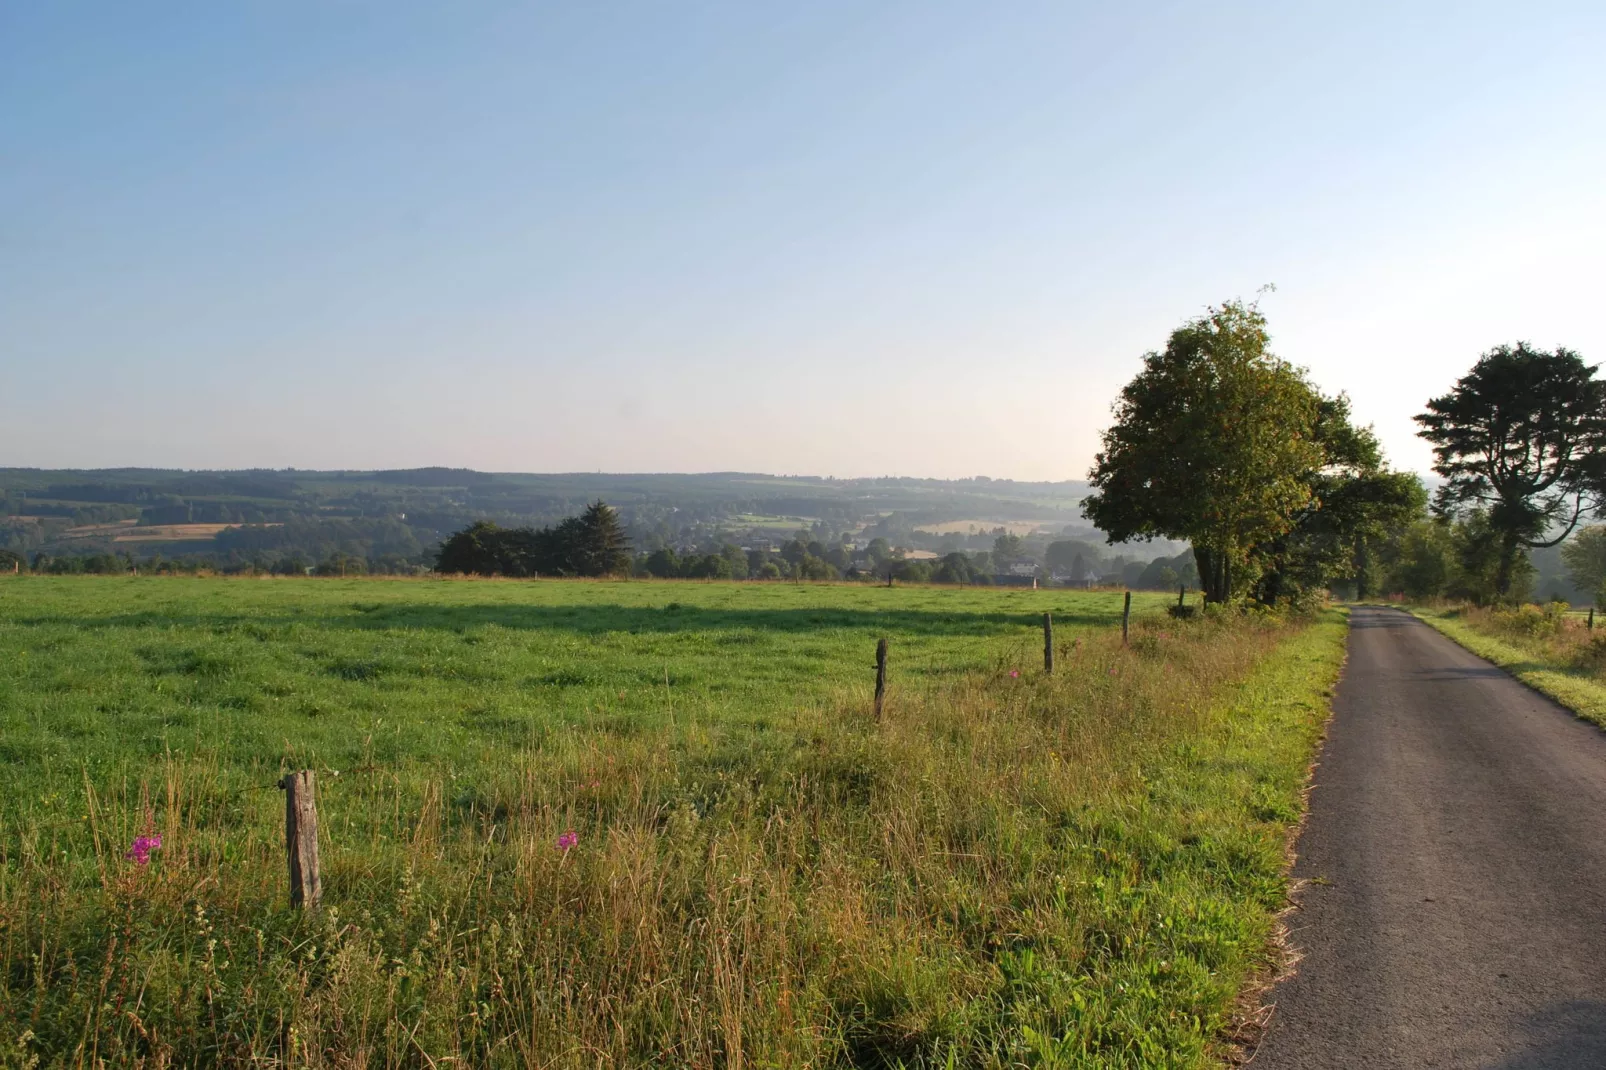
1522	437
1214	442
591	544
1585	558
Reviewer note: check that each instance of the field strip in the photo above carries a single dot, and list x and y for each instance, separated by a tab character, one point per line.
567	821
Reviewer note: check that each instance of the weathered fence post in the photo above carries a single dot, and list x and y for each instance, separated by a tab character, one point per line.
1048	643
301	839
1126	617
1182	595
880	676
1591	618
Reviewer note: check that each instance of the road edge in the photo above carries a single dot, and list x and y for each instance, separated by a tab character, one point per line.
1583	697
1252	1013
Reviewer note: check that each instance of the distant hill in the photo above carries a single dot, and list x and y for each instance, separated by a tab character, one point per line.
401	514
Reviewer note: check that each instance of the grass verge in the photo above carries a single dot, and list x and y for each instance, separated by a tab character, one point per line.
1008	869
1556	657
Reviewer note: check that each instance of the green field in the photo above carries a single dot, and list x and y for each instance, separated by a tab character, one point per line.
1005	869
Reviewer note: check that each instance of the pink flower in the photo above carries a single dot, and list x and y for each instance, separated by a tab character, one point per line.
1014	673
140	853
568	840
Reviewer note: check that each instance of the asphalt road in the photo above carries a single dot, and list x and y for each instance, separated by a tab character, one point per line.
1456	849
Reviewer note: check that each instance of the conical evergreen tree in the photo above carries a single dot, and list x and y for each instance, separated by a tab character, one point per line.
603	548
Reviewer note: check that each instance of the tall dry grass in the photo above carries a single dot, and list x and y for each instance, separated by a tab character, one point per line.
1552	633
1006	869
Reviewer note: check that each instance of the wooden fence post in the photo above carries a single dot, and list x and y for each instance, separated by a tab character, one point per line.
1126	617
1048	643
880	676
1591	618
301	839
1182	595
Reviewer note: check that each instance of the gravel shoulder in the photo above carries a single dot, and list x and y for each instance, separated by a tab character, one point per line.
1453	910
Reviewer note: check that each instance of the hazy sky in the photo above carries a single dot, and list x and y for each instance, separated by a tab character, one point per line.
828	238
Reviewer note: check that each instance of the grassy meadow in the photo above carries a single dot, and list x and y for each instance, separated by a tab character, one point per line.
1007	869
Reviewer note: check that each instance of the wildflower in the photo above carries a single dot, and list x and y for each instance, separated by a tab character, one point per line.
568	840
140	853
1014	673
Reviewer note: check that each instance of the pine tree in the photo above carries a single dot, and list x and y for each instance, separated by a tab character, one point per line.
602	547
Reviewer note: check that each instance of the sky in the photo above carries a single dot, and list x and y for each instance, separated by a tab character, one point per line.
848	239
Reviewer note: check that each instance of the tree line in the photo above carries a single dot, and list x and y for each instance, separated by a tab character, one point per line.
1219	442
591	544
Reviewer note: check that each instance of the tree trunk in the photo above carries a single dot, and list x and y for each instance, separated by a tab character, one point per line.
1510	547
1363	570
1213	573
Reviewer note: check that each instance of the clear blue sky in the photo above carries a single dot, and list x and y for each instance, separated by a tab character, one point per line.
829	238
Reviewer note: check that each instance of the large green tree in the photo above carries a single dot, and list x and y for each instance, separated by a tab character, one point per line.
1420	560
476	550
1585	557
1214	442
1356	504
1522	438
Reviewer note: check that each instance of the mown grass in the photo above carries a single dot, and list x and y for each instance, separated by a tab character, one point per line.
1006	869
1551	651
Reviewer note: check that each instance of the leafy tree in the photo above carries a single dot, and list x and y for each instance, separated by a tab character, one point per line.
1356	501
1073	556
1480	561
708	567
1522	439
1007	547
472	551
1421	561
737	559
1585	557
1214	442
878	550
1166	574
954	568
914	572
664	564
10	561
338	564
814	568
837	556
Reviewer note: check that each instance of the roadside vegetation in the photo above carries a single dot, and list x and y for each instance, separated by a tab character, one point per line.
1549	648
578	823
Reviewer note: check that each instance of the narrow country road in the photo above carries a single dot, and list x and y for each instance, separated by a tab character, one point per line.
1456	854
